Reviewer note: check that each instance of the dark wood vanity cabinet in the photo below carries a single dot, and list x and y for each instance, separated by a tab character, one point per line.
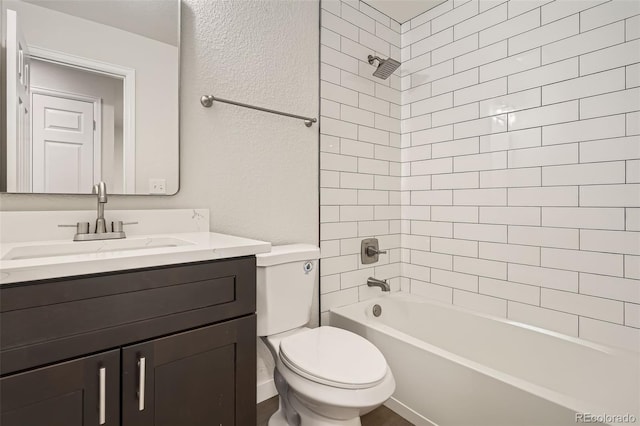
163	346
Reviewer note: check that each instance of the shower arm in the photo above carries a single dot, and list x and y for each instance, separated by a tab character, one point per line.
372	58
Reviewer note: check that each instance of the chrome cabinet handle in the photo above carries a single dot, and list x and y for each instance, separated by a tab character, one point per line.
141	375
103	402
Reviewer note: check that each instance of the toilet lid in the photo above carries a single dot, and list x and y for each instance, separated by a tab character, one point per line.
334	357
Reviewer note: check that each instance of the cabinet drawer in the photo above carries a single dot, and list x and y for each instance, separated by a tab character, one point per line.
47	321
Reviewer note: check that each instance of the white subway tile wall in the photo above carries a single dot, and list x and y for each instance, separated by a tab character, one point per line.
499	165
361	149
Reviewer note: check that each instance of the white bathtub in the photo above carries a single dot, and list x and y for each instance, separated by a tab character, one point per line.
458	368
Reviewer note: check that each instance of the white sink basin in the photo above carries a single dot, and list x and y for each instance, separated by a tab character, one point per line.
86	247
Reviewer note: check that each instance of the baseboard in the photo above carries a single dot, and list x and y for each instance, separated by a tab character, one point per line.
265	390
407	413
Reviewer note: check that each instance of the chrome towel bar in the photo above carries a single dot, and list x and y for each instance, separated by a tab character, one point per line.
207	101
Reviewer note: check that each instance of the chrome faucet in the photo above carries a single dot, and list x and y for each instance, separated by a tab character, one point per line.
383	284
101	233
100	189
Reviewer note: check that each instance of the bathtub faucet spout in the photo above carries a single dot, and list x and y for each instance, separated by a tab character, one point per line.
383	284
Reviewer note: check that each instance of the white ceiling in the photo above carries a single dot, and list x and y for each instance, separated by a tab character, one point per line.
155	19
403	10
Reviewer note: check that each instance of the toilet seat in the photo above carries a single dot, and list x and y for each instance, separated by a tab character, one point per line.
334	357
318	395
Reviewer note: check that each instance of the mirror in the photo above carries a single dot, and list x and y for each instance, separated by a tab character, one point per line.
91	94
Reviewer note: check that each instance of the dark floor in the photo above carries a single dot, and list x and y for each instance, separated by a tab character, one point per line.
381	416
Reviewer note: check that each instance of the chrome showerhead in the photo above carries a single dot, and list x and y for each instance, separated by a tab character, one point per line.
386	67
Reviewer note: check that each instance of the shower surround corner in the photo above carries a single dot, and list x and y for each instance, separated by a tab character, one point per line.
500	163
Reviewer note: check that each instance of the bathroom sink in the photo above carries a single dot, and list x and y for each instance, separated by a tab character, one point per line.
86	247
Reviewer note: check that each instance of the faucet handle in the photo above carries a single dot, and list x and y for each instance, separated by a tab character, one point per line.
81	227
116	225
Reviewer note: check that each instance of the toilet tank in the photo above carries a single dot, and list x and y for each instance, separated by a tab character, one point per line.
285	280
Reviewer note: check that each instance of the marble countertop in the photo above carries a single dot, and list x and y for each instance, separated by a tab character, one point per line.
100	256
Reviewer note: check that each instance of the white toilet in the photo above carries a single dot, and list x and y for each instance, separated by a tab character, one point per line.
325	376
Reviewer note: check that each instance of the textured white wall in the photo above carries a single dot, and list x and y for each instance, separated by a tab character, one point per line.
256	172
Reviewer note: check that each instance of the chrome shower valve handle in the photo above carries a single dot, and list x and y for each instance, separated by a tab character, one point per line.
372	251
369	251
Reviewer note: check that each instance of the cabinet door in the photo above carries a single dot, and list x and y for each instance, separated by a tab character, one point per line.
203	377
82	392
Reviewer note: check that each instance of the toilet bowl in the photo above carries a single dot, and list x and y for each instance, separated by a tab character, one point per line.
326	375
333	376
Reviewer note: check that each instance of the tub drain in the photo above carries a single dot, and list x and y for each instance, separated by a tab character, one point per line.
377	310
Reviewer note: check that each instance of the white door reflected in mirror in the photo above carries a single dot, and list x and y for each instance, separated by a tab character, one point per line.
64	144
